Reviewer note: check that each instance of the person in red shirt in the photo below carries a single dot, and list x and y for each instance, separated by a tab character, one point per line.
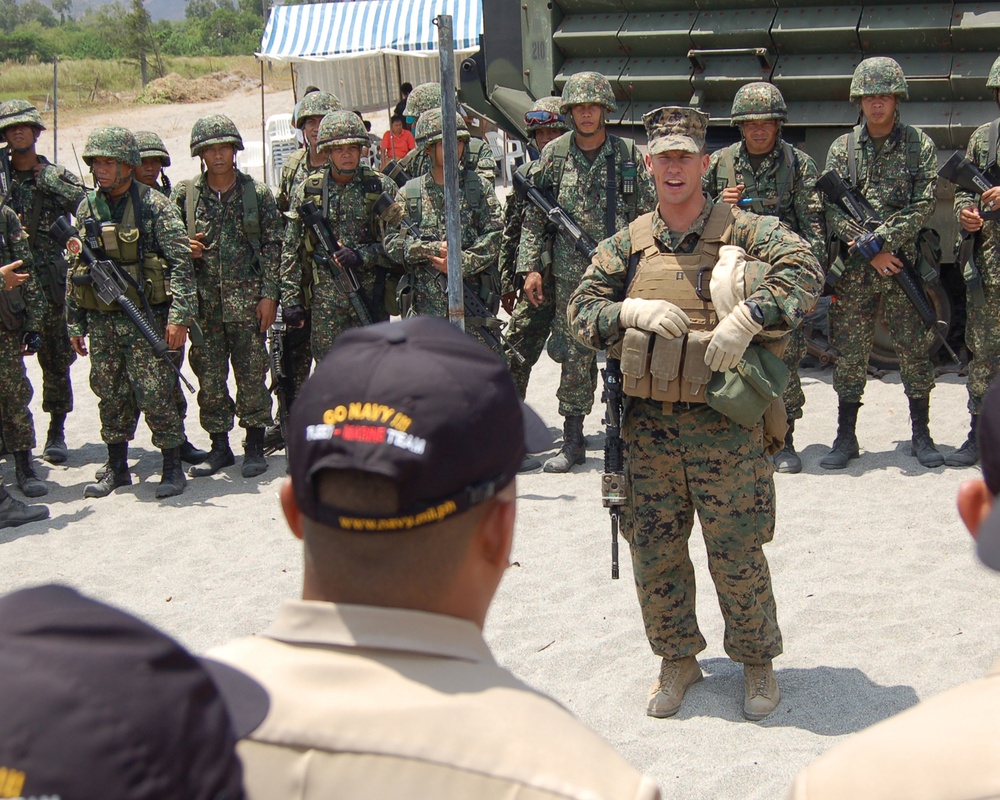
396	142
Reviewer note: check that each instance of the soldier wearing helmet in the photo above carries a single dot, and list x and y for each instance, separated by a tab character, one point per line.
423	289
234	231
477	153
764	174
154	159
978	218
40	192
302	163
577	168
345	192
141	232
895	167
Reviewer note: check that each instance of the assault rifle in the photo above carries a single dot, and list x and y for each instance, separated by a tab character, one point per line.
866	220
111	286
393	169
5	178
555	214
477	314
349	283
279	379
613	479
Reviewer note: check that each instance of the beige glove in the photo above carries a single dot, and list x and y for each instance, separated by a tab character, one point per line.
728	275
730	339
656	316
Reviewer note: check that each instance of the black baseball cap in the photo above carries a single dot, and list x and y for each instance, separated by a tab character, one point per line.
96	704
988	439
417	401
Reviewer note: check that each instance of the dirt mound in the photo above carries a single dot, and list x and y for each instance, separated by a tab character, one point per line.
176	89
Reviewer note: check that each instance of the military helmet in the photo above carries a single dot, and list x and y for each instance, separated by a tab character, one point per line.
587	87
315	104
214	129
879	75
19	112
425	97
151	146
545	113
993	81
340	127
430	130
112	142
759	100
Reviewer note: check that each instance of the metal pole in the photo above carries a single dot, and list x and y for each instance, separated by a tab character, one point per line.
55	110
452	198
263	123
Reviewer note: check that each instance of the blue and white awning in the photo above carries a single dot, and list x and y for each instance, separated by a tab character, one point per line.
321	31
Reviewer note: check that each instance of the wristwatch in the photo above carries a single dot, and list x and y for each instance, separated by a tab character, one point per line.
755	312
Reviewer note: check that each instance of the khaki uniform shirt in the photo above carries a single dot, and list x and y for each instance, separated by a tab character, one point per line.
946	748
377	702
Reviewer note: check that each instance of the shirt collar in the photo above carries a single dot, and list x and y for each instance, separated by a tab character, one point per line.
675	239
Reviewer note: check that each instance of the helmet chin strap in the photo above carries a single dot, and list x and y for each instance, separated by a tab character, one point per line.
339	171
598	129
119	178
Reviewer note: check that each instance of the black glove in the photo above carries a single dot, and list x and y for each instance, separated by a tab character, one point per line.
349	258
32	341
294	316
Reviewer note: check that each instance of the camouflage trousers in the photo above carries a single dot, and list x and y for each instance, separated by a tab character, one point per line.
125	375
578	376
793	397
242	344
527	331
852	332
695	459
298	354
332	314
982	335
430	299
17	423
55	357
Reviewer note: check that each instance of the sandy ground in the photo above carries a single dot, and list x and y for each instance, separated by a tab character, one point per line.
880	598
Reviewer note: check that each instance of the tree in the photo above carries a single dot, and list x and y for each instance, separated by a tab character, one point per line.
140	41
63	9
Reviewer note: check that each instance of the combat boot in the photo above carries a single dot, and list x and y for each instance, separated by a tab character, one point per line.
273	440
27	480
218	457
574	449
788	460
172	478
190	454
761	694
845	446
676	675
921	445
55	451
115	475
968	454
528	464
254	463
13	512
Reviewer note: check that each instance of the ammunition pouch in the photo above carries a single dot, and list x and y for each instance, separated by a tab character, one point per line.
151	276
13	311
405	291
669	370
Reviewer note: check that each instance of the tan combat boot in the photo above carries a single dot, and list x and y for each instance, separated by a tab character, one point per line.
760	691
676	675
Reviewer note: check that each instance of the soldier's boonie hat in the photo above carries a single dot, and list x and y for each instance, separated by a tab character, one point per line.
98	704
19	112
675	128
418	402
151	146
988	439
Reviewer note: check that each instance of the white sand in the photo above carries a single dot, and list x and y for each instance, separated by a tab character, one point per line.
880	598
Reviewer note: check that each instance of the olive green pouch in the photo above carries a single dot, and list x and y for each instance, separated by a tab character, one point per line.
743	393
665	366
636	378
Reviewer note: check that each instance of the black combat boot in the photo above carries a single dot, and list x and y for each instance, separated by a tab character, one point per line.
13	512
115	475
55	451
172	478
788	460
254	463
922	446
845	446
574	449
218	457
273	440
27	480
190	454
968	454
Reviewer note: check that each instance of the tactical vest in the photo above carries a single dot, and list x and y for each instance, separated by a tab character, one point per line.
251	214
122	243
673	370
787	167
13	311
912	135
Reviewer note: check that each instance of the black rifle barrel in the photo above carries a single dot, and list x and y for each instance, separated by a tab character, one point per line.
556	214
613	479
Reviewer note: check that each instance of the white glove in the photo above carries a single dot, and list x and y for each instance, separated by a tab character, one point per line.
726	286
730	339
656	316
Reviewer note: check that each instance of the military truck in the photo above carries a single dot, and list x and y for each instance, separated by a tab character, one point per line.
658	52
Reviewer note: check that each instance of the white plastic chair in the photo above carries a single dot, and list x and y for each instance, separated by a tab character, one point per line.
280	150
250	157
513	159
279	126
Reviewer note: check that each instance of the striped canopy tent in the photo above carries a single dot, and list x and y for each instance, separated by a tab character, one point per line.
361	50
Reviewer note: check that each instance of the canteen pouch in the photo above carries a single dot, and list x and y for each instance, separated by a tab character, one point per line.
744	393
664	367
636	378
697	373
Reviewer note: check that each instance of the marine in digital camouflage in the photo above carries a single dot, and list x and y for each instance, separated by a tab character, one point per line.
303	163
878	75
151	146
423	98
587	87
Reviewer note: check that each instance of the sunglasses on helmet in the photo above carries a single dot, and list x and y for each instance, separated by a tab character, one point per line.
534	118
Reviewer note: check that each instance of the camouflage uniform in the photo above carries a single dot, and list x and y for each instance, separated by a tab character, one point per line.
353	224
481	226
898	179
38	201
687	457
151	146
581	190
